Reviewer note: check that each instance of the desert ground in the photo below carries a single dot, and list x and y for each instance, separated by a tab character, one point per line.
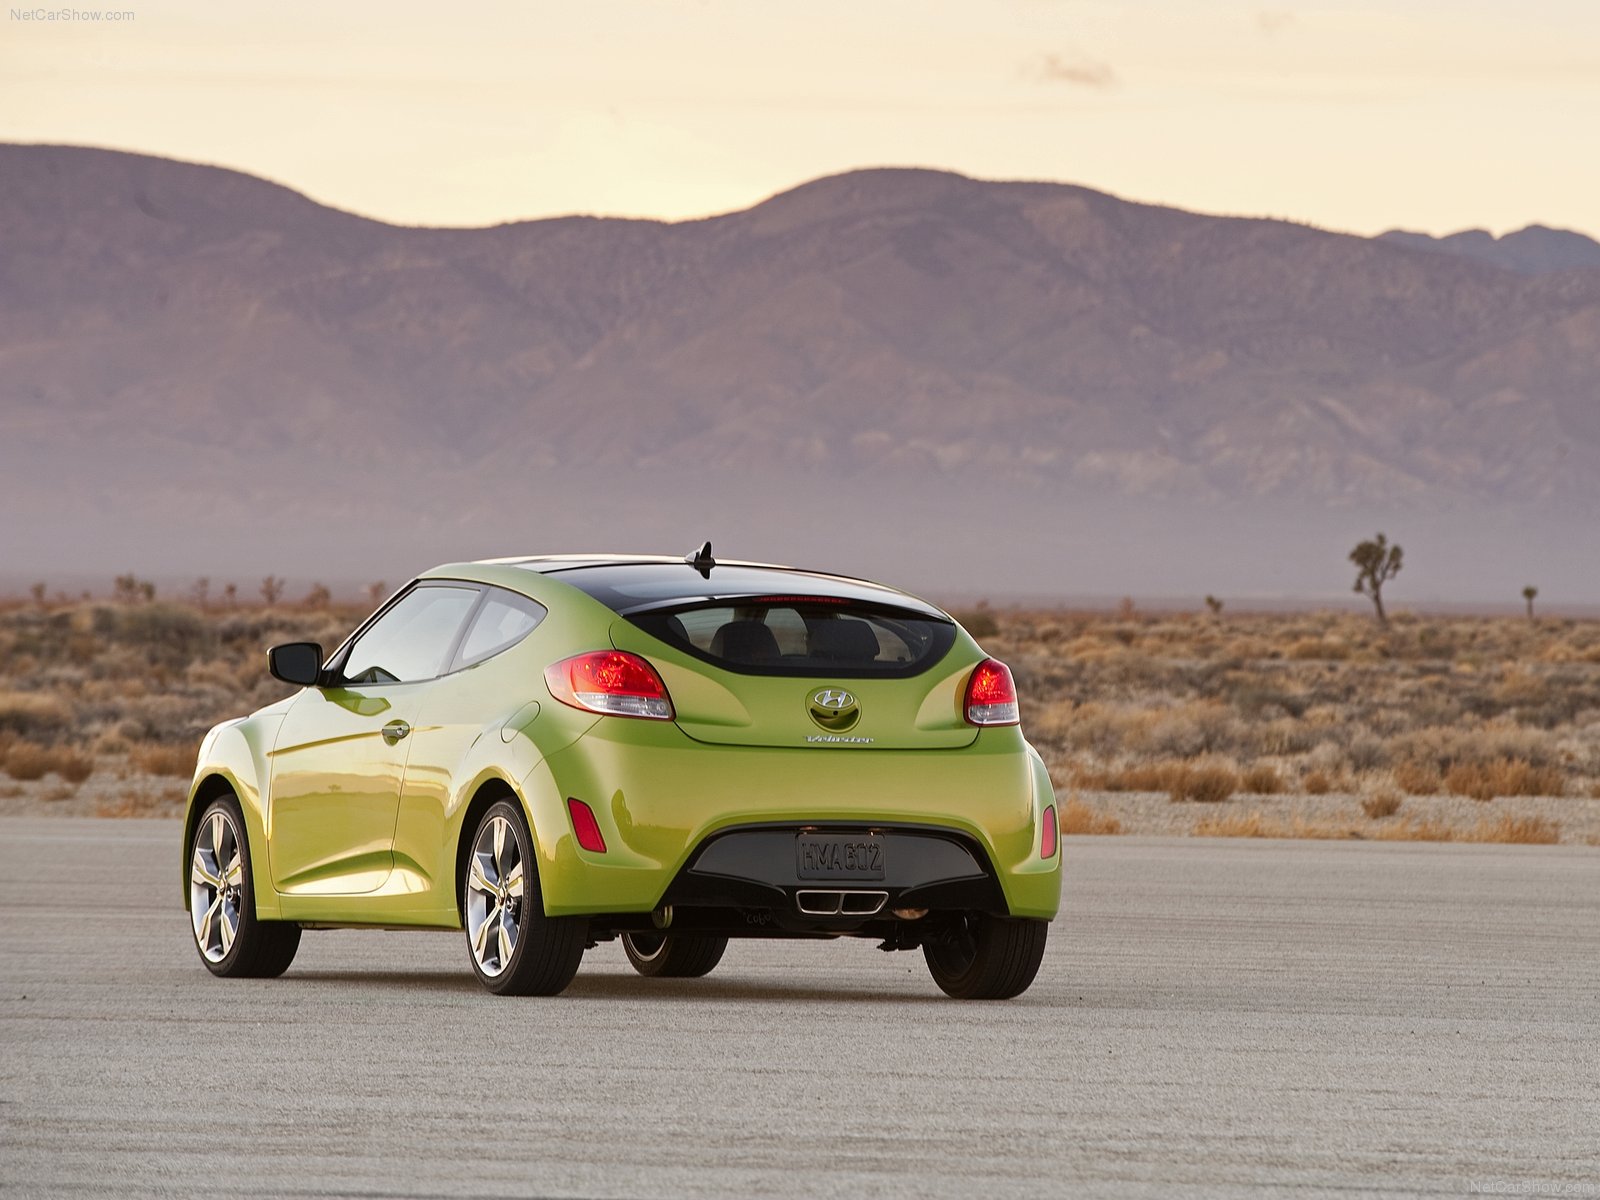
1309	725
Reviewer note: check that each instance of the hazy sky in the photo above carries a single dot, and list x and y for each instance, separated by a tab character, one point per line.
1431	114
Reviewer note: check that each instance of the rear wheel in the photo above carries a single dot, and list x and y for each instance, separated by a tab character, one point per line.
222	906
673	955
515	949
979	957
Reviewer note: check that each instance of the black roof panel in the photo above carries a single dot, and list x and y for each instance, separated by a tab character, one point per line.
629	585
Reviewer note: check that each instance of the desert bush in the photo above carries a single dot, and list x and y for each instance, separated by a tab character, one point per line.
154	758
1317	783
1077	818
33	714
1205	783
1417	779
1366	752
1318	650
28	761
1141	777
1503	777
1380	804
1515	830
1263	780
980	622
1413	831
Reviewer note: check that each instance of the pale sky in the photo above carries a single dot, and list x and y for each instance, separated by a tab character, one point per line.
1427	114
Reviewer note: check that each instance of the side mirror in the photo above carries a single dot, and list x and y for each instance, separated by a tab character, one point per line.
296	662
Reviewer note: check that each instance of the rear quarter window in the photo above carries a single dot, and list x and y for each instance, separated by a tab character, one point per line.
760	637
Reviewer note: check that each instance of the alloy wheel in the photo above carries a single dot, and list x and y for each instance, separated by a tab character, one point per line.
494	896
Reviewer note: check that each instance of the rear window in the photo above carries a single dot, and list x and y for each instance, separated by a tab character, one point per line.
803	637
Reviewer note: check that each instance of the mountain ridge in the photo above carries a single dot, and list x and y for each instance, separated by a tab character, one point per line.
173	330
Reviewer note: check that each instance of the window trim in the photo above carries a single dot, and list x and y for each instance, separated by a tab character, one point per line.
334	667
454	664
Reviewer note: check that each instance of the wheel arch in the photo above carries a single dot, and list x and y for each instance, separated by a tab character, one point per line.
490	792
211	786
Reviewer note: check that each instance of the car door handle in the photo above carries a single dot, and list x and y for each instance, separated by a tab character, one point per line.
394	731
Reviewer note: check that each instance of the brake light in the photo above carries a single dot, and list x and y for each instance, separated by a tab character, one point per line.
1050	839
610	681
992	695
585	826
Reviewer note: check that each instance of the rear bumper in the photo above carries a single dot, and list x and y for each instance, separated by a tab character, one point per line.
688	824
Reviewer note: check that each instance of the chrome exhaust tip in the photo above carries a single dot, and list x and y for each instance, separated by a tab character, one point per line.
816	902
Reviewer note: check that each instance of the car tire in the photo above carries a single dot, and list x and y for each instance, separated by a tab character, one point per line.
231	941
673	955
514	949
981	957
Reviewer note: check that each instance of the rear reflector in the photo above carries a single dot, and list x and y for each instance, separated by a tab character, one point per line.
610	681
585	826
1050	839
992	695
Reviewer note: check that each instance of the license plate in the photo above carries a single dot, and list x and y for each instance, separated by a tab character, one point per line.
839	856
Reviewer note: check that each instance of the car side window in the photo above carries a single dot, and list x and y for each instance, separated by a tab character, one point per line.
504	620
413	639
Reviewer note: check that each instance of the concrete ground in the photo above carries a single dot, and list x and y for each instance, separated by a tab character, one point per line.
1214	1018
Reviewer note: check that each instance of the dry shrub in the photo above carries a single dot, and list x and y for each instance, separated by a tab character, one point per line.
1256	824
1317	783
1417	779
33	714
1204	783
30	761
1246	825
1413	831
1144	777
142	804
1318	649
73	765
1521	831
152	758
1263	779
1504	777
1077	817
1381	804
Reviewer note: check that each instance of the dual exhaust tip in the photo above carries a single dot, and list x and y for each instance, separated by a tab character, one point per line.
815	902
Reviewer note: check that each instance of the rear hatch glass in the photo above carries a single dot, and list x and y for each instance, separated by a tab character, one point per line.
803	637
820	672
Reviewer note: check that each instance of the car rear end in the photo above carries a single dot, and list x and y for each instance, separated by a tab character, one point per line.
779	752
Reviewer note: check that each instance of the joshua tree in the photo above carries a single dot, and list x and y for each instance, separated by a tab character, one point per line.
271	590
1528	594
1376	562
200	593
318	597
38	591
230	594
1214	605
375	592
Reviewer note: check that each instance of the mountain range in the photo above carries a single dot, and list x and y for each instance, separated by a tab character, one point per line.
984	387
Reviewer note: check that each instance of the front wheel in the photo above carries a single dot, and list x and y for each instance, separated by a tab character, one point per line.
979	957
222	905
673	955
515	949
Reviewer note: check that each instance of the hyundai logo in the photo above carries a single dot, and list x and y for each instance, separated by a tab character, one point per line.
833	709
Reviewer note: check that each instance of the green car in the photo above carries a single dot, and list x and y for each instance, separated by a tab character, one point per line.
554	752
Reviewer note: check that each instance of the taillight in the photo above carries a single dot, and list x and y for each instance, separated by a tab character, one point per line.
1050	838
992	695
610	681
585	826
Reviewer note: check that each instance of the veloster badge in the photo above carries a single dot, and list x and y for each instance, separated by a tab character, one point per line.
833	709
